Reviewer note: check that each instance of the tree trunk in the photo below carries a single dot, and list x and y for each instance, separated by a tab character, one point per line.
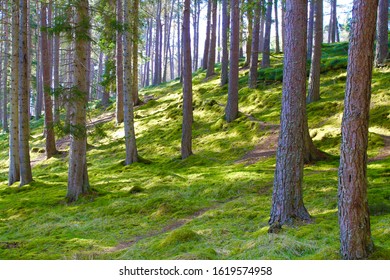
250	33
78	182
14	166
186	140
262	27
354	218
310	29
56	74
119	65
283	22
225	52
45	61
213	41
277	43
135	33
333	26
157	51
5	71
231	109
382	47
179	55
24	118
255	46
287	198
207	41
265	63
219	34
130	142
315	68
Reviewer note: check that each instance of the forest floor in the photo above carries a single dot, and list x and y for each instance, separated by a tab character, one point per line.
213	205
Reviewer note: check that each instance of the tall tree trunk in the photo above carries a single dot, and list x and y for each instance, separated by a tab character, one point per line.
219	34
333	26
179	54
225	51
14	166
119	65
315	68
382	47
262	27
5	71
310	29
130	142
24	118
255	46
287	198
213	41
283	22
354	218
277	43
265	63
231	109
56	74
157	51
250	33
78	181
207	40
186	140
135	16
38	73
50	143
105	88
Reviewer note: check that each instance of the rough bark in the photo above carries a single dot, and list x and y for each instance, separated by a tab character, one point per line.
56	74
333	26
249	38
354	218
186	140
78	182
4	116
213	41
255	46
135	33
119	65
24	118
130	141
382	47
14	166
287	198
315	67
207	40
265	63
50	143
231	110
225	51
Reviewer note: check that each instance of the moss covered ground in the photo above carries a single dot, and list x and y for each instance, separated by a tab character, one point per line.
213	205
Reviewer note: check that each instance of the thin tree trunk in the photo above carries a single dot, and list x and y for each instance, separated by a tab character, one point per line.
45	61
354	218
231	110
265	63
283	22
5	71
207	41
179	55
262	27
78	181
310	29
14	165
249	34
287	198
382	47
225	51
24	118
277	43
213	39
186	140
135	33
315	68
219	34
130	141
56	74
119	65
255	46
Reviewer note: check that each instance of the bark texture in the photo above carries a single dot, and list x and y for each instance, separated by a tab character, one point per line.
78	182
225	50
354	218
382	47
207	40
255	46
119	65
24	104
186	140
14	166
231	110
287	199
213	41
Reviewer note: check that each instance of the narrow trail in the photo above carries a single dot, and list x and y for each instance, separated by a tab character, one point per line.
384	152
168	228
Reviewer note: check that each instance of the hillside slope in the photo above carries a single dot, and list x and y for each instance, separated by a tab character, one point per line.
213	205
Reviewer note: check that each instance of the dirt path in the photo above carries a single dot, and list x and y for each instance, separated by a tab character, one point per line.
384	152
